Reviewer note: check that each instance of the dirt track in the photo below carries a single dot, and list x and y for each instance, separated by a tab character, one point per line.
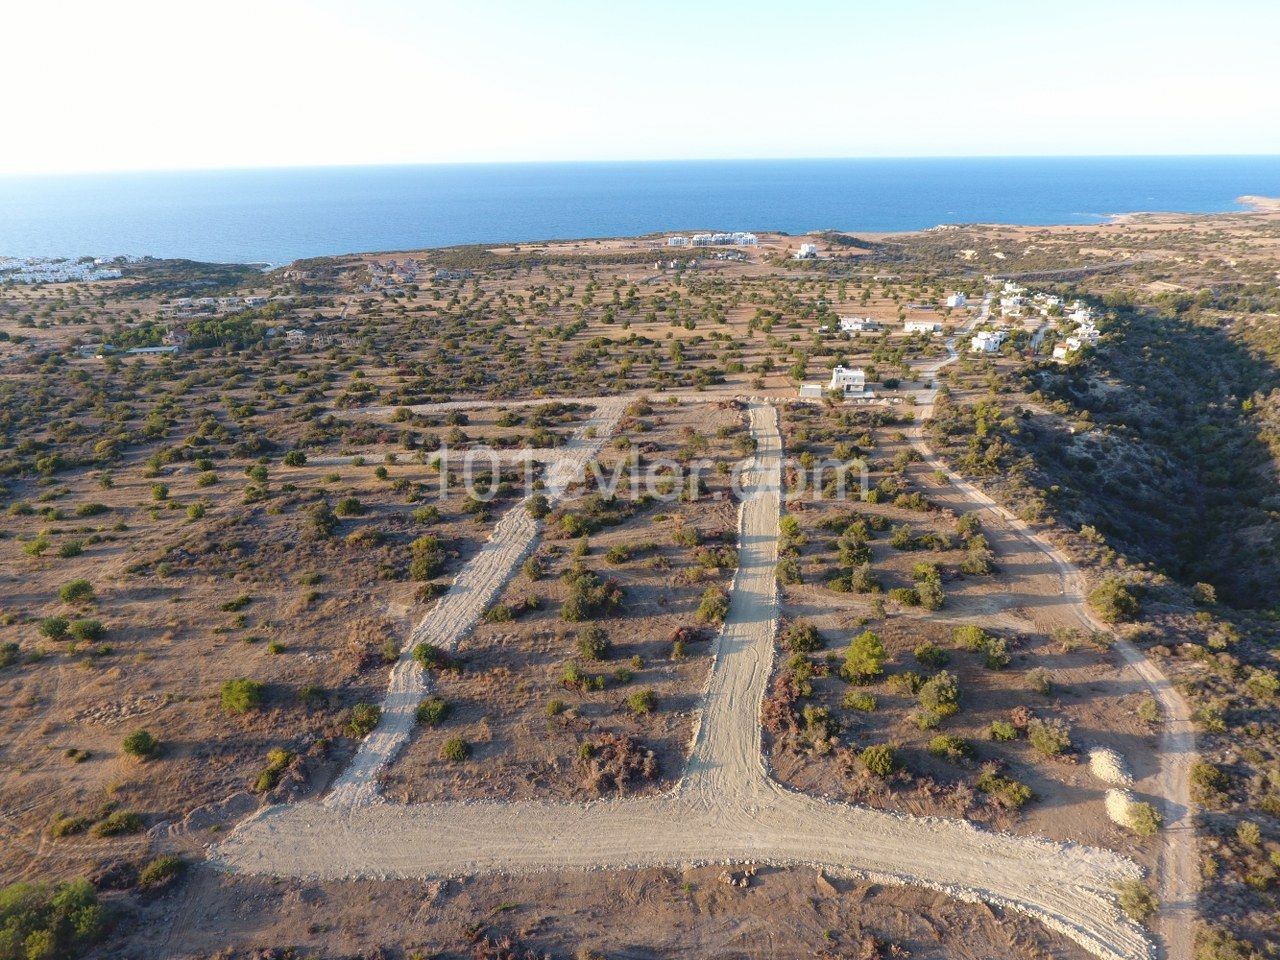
1178	873
725	808
460	609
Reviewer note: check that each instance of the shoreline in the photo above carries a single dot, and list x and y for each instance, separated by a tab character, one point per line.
1246	204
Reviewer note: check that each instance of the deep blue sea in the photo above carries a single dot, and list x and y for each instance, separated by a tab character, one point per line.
279	215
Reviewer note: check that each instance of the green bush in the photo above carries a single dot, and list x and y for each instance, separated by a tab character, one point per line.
802	637
427	514
593	643
970	637
864	660
1002	730
55	628
1144	819
879	759
77	591
140	744
72	548
642	702
857	700
364	718
116	823
995	655
1209	785
161	871
788	571
241	695
433	710
940	694
349	507
714	606
1052	738
427	557
86	630
455	749
1112	601
295	458
950	747
38	922
278	761
1009	792
429	656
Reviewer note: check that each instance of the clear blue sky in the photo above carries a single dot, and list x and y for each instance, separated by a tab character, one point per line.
146	84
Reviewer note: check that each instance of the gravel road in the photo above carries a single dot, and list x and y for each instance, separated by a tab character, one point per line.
725	809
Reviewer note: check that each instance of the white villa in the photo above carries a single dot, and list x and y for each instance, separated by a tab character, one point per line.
922	326
851	381
987	341
857	324
807	251
957	300
738	238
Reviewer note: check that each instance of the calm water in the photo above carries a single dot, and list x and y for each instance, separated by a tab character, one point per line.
280	215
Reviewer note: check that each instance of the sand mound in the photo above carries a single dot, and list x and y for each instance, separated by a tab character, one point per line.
1119	804
1109	767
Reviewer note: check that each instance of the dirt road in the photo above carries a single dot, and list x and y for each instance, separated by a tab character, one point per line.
460	609
724	809
1177	875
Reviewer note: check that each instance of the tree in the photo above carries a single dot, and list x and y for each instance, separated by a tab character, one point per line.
593	643
864	660
641	702
430	656
140	744
714	606
802	637
433	710
364	719
1052	738
84	630
455	750
55	628
940	694
241	695
427	557
879	759
1113	601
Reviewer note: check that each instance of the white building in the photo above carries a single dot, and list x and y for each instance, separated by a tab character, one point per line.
255	302
1064	348
957	300
677	241
858	324
922	326
851	381
807	251
987	341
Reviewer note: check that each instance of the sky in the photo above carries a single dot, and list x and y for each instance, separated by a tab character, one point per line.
142	85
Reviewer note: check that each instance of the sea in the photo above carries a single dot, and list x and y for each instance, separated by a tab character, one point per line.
274	216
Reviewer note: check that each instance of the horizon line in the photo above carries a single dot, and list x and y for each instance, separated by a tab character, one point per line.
133	171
